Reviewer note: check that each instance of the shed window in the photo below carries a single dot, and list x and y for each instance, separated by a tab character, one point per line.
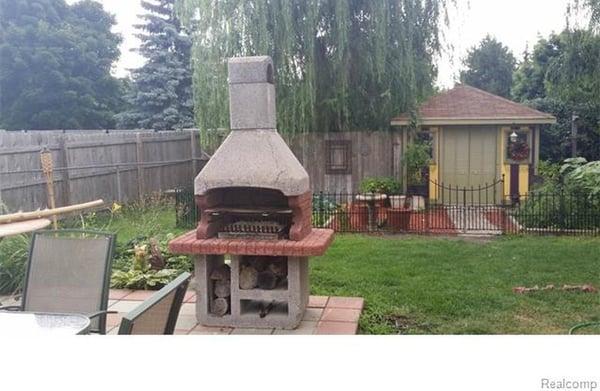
339	157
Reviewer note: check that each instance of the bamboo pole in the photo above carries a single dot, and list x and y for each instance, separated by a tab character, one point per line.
22	216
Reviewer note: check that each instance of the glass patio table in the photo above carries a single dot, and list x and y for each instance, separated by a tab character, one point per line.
27	324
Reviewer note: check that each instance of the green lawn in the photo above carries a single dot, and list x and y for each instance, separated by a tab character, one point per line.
429	285
417	285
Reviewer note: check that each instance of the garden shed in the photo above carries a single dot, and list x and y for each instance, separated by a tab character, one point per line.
477	139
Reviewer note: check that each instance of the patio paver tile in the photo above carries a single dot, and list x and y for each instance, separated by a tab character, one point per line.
188	309
204	330
355	303
113	331
313	314
306	327
118	294
186	322
337	328
139	295
317	301
251	331
113	320
190	297
124	306
340	315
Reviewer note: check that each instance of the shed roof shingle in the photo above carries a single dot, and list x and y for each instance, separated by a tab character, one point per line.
465	104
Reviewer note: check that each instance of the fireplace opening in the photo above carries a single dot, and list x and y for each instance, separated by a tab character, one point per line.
245	212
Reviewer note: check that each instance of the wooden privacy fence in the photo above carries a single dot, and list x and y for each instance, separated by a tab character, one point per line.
113	165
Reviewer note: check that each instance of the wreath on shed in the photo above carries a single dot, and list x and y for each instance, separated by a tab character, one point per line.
518	150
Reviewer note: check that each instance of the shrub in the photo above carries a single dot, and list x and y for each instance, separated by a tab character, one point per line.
382	185
13	263
568	199
417	157
146	263
323	209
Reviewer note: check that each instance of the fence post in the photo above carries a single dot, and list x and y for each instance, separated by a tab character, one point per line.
464	210
139	155
119	190
66	175
193	152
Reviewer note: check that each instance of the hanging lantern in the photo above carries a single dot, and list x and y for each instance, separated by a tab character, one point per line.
514	137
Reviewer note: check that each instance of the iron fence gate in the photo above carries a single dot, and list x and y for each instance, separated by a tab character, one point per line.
450	210
472	210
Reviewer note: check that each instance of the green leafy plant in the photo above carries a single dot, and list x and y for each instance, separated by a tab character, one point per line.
381	185
417	157
323	209
13	263
146	263
569	198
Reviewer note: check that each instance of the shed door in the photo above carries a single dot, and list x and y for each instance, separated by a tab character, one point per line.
469	160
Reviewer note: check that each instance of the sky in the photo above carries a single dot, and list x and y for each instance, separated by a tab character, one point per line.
516	23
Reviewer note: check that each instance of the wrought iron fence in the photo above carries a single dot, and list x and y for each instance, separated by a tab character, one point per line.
557	212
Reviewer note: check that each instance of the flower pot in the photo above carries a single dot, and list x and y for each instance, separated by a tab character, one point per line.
359	216
397	201
417	203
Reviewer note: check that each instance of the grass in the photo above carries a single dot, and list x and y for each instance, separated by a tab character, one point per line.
419	285
428	285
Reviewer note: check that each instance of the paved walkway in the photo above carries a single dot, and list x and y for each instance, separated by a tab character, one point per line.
324	315
473	220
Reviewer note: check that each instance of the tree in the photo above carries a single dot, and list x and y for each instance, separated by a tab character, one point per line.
161	92
55	63
561	77
339	65
490	67
530	77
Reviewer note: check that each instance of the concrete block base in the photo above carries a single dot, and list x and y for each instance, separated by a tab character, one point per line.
289	299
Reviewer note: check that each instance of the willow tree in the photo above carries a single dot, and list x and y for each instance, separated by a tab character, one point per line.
340	65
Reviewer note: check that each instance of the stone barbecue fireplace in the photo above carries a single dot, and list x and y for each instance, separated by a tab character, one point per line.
255	235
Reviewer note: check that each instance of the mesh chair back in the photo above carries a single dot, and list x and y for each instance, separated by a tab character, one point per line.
158	314
69	271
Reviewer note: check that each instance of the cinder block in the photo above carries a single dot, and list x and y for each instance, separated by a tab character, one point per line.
290	305
252	106
257	69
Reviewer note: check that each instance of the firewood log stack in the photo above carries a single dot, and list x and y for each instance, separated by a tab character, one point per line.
263	273
221	280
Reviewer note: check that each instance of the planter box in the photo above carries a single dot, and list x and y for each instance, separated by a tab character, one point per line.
399	219
359	216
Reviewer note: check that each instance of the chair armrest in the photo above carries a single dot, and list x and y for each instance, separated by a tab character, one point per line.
98	313
14	308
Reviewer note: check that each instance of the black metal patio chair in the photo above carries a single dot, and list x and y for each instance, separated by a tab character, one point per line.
158	314
69	272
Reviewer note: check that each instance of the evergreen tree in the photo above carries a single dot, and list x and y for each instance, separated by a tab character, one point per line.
161	92
490	67
55	63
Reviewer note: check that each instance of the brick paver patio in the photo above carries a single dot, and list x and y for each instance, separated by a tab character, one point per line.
324	315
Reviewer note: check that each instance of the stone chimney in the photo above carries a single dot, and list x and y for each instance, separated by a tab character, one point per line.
254	154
